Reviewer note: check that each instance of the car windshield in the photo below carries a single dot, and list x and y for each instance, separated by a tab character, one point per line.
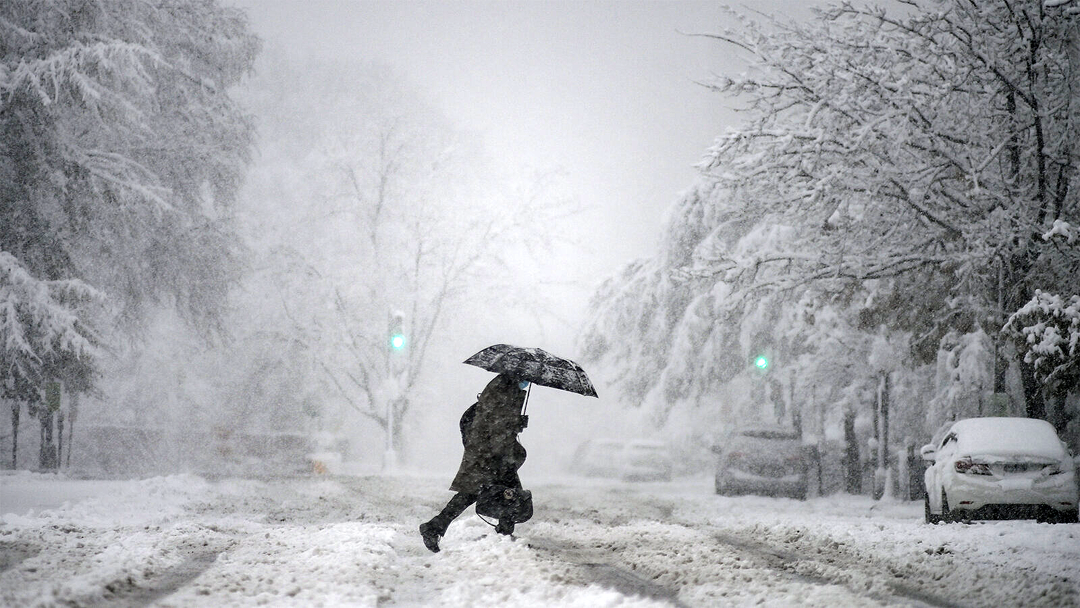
644	452
607	449
765	447
770	433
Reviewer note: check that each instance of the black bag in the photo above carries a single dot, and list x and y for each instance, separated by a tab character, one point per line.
503	502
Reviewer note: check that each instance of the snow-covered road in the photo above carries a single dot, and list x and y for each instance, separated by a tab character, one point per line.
332	541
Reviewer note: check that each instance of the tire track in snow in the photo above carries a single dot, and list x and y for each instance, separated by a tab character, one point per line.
595	570
663	552
127	593
868	581
790	563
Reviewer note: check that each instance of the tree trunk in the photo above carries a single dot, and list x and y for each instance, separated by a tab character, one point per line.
882	421
1060	417
59	438
47	453
1001	364
73	408
1034	399
796	410
49	459
884	462
916	469
852	470
16	405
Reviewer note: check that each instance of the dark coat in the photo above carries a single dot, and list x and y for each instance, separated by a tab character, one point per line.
489	432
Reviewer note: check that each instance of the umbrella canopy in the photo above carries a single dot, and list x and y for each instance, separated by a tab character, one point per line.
535	365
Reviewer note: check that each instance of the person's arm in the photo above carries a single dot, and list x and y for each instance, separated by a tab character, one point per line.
466	422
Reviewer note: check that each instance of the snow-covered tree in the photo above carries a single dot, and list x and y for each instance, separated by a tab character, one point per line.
41	336
895	171
366	205
120	153
1047	331
122	149
935	148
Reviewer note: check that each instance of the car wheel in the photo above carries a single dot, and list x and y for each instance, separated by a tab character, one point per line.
1069	517
930	517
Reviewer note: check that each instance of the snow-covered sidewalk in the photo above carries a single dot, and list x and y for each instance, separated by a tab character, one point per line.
352	541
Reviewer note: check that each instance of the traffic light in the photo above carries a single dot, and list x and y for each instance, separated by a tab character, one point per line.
397	341
397	331
761	362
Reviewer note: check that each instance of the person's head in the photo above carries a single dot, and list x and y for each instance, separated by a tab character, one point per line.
504	384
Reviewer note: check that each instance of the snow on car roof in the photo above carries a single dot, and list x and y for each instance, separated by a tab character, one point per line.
1008	437
647	443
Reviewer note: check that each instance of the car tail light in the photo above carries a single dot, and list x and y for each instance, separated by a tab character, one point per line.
965	465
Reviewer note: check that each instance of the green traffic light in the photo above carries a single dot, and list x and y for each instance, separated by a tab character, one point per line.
762	362
397	341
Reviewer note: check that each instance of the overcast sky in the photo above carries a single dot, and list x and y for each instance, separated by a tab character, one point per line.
604	90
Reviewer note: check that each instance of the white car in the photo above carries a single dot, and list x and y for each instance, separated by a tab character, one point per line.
995	468
598	458
637	460
646	460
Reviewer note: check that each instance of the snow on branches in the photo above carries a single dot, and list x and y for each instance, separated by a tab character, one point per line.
1071	7
900	144
122	150
39	322
1063	230
1047	332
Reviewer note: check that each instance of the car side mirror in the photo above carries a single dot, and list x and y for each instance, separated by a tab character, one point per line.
928	452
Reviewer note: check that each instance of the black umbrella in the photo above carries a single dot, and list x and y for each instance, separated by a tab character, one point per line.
535	365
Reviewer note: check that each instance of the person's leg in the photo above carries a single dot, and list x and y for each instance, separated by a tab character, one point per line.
432	530
450	512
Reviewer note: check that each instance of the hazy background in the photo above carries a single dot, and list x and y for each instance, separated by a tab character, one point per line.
606	93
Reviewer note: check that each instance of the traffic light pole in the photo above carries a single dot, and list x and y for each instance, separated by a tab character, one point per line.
390	457
395	369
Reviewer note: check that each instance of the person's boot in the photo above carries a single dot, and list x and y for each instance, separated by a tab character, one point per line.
505	526
431	535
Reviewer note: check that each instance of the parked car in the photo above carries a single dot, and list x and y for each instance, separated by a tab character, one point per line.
637	460
1000	468
645	460
598	458
769	461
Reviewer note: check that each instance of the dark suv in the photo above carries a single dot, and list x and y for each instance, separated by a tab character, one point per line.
765	460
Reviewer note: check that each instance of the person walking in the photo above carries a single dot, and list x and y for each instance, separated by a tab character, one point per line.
493	454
